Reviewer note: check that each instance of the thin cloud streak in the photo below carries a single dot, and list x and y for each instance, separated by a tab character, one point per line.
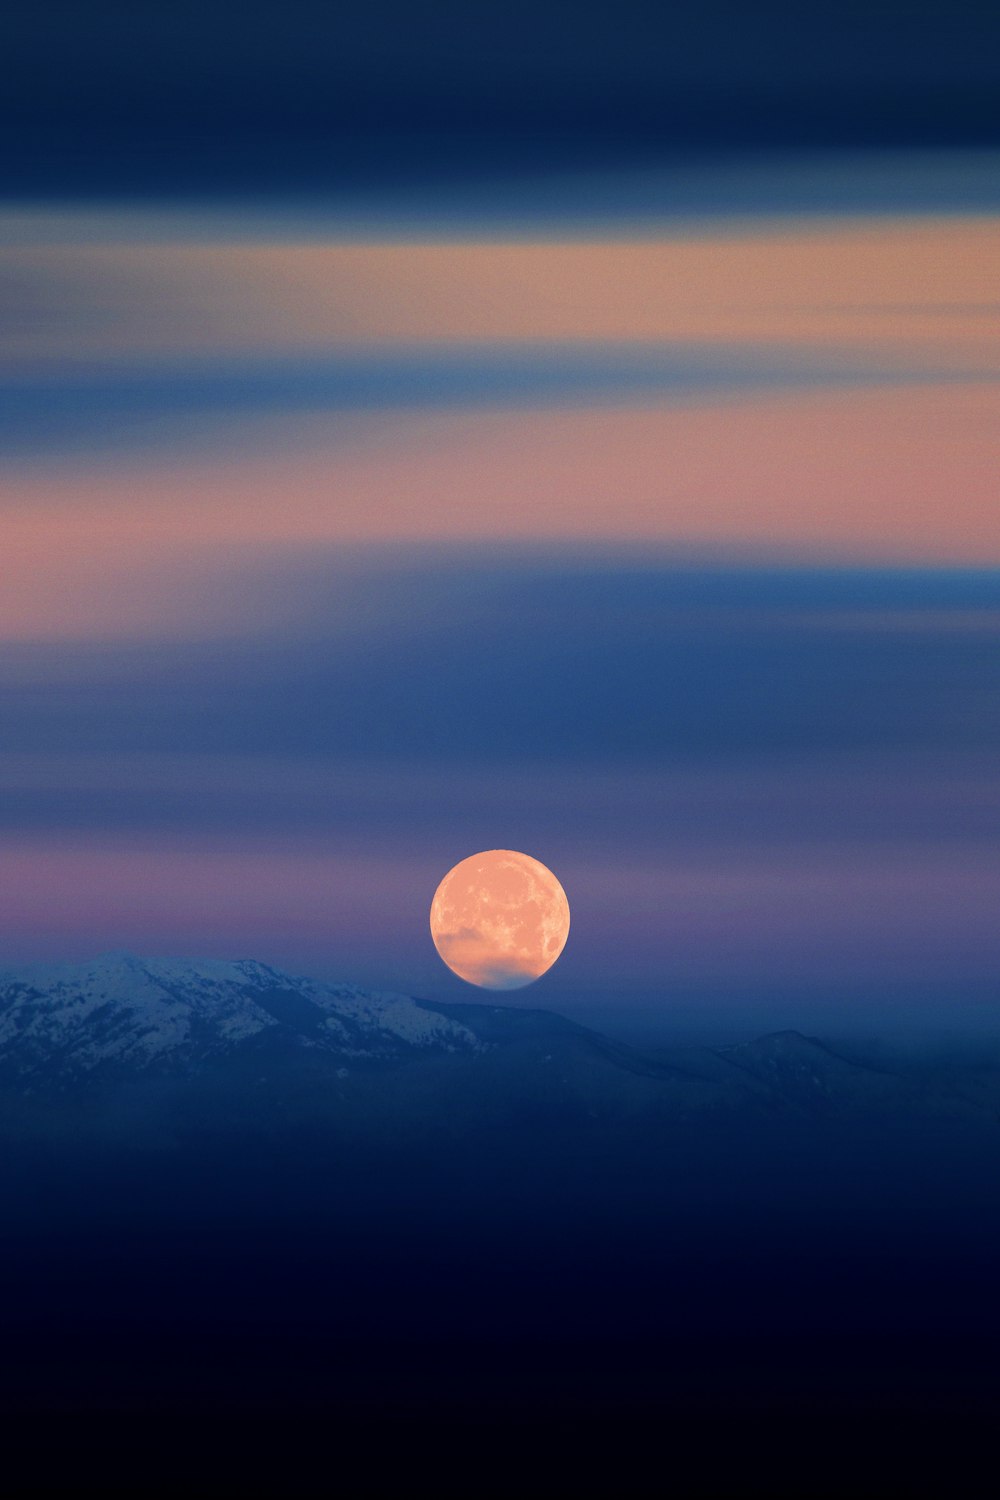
890	800
686	916
150	409
808	282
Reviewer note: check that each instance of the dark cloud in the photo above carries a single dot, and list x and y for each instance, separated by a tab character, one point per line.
116	97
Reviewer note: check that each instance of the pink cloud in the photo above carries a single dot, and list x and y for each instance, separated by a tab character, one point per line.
904	475
904	284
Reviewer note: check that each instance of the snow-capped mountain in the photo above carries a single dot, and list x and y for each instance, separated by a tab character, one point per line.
120	1011
247	1040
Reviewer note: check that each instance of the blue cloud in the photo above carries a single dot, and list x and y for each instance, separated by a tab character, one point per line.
113	405
479	662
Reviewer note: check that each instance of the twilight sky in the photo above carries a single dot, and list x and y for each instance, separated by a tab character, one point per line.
418	441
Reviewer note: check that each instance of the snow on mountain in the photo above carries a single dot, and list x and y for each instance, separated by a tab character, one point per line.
120	1010
121	1018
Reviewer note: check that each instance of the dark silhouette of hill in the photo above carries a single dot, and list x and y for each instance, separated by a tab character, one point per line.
285	1237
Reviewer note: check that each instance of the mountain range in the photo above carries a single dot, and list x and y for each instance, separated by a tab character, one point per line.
177	1045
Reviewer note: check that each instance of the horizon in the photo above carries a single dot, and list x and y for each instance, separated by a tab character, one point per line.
873	1019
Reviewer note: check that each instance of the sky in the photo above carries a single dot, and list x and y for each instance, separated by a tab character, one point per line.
436	428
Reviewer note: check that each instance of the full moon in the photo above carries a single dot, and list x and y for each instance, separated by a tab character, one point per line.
500	919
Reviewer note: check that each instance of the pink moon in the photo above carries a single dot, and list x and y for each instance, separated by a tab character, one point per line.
500	919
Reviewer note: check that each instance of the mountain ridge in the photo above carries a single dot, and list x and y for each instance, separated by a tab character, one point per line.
196	1039
123	1010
